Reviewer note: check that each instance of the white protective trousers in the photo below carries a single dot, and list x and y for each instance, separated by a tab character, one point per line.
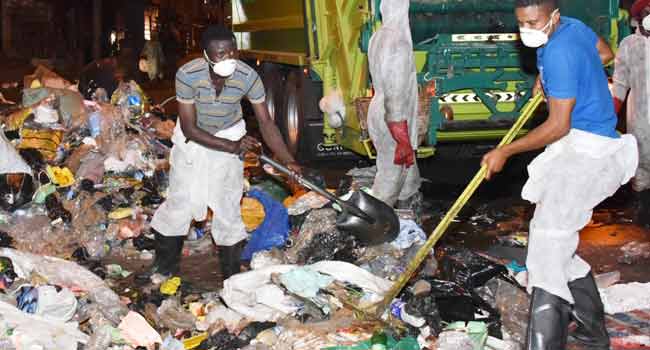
566	182
394	78
632	73
200	178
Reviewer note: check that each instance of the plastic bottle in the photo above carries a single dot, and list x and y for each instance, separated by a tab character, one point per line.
94	123
397	309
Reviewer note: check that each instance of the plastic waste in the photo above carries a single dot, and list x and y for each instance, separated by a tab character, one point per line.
101	339
94	123
467	268
67	273
477	332
627	297
43	192
410	233
273	231
305	282
170	286
116	271
136	331
252	212
607	279
174	316
267	258
319	240
36	332
379	341
454	340
407	343
56	303
63	177
397	309
231	318
171	343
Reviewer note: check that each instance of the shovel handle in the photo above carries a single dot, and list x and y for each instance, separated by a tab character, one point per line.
312	186
414	264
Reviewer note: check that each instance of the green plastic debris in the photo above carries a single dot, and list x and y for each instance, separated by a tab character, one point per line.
408	343
477	331
43	192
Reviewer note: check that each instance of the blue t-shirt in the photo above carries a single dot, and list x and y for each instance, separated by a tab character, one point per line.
570	67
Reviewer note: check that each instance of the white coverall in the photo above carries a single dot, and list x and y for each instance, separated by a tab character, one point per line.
570	178
631	74
394	78
200	178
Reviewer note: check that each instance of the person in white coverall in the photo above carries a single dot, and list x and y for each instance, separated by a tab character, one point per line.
392	113
632	74
585	161
209	138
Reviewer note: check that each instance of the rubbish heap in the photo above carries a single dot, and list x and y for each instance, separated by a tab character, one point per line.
79	182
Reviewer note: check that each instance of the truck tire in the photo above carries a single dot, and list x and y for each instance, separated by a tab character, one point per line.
273	80
293	121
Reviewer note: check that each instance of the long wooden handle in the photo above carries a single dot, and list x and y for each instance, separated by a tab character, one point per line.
439	231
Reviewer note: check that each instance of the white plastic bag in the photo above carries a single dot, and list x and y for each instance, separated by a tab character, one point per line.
71	275
33	331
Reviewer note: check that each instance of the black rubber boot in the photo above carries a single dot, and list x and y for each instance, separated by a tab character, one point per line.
548	322
643	214
168	256
230	259
589	314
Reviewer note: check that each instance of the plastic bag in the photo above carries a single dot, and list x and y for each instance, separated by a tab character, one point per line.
100	339
69	274
252	212
319	240
92	167
274	229
173	316
467	268
33	331
454	340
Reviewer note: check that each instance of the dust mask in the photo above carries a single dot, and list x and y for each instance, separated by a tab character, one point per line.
536	37
223	68
646	23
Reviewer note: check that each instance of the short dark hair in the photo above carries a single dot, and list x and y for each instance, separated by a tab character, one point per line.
526	3
217	32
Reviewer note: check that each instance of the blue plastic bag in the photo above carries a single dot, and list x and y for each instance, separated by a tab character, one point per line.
273	231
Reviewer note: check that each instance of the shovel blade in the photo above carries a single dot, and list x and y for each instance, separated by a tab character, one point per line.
385	227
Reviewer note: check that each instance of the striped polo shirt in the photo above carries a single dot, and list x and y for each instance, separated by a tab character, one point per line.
214	113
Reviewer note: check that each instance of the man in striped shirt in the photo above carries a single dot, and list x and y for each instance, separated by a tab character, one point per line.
210	136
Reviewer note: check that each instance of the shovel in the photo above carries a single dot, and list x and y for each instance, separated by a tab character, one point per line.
364	216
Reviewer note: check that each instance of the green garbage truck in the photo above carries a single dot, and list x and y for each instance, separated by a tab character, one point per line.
474	74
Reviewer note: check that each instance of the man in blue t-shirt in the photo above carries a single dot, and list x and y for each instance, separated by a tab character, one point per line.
585	161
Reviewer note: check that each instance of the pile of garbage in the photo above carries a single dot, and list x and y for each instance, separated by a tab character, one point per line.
79	182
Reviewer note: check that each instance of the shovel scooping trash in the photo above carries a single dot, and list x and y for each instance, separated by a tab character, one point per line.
364	216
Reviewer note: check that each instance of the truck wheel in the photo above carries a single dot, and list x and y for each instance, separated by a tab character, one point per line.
292	124
273	80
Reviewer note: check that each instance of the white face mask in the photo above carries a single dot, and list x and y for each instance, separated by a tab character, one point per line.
536	37
224	68
646	23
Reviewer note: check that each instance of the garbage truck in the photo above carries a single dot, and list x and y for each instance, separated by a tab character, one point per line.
474	74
